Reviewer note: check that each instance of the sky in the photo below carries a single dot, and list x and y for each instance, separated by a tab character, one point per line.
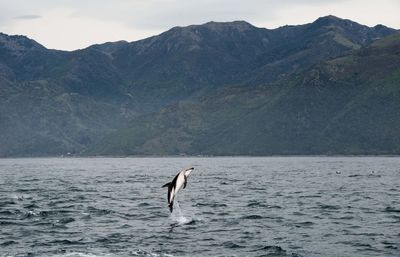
75	24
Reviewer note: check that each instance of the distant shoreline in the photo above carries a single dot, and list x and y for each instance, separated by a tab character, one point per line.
198	156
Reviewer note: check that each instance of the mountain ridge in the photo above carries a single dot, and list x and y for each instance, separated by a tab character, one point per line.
312	105
54	102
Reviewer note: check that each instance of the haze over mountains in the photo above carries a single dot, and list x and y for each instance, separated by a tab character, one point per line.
328	87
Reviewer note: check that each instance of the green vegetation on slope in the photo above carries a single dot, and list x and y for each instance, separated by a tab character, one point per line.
213	88
349	105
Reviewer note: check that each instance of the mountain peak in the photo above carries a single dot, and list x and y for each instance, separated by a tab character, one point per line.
333	20
18	43
330	18
190	36
384	29
221	26
241	25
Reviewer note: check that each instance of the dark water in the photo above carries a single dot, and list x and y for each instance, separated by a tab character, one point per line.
281	206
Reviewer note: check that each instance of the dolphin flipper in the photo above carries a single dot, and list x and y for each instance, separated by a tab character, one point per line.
166	184
184	183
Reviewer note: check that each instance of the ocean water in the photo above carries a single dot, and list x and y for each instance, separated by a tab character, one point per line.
273	206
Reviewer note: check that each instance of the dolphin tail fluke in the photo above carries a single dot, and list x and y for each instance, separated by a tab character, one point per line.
166	184
171	206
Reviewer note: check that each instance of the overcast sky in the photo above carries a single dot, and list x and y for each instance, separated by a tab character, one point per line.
73	24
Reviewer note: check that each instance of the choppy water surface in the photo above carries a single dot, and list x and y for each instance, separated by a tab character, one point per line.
278	206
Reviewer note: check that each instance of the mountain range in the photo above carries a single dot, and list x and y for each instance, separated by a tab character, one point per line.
222	88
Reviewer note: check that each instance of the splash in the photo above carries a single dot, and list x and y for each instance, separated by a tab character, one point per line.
178	216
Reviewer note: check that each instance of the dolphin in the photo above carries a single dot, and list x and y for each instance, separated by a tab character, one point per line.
175	185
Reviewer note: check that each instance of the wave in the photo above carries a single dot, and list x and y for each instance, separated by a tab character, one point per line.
274	250
80	254
232	245
252	217
7	243
392	209
213	205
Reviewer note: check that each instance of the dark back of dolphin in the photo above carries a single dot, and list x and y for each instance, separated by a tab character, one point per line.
171	186
170	205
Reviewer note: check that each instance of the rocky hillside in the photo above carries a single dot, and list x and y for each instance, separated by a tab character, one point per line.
200	77
347	105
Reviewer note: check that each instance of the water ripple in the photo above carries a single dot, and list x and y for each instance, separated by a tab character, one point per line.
277	206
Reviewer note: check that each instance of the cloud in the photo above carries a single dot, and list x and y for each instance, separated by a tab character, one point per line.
28	17
71	32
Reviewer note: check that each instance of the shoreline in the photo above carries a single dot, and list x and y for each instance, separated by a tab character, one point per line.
199	156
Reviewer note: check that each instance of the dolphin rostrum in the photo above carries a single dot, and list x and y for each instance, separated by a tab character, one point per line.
175	185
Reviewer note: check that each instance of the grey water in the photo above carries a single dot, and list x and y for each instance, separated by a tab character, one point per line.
272	206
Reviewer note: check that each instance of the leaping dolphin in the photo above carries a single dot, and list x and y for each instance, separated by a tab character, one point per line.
175	185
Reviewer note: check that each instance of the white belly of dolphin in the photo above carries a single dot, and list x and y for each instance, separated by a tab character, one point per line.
179	184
